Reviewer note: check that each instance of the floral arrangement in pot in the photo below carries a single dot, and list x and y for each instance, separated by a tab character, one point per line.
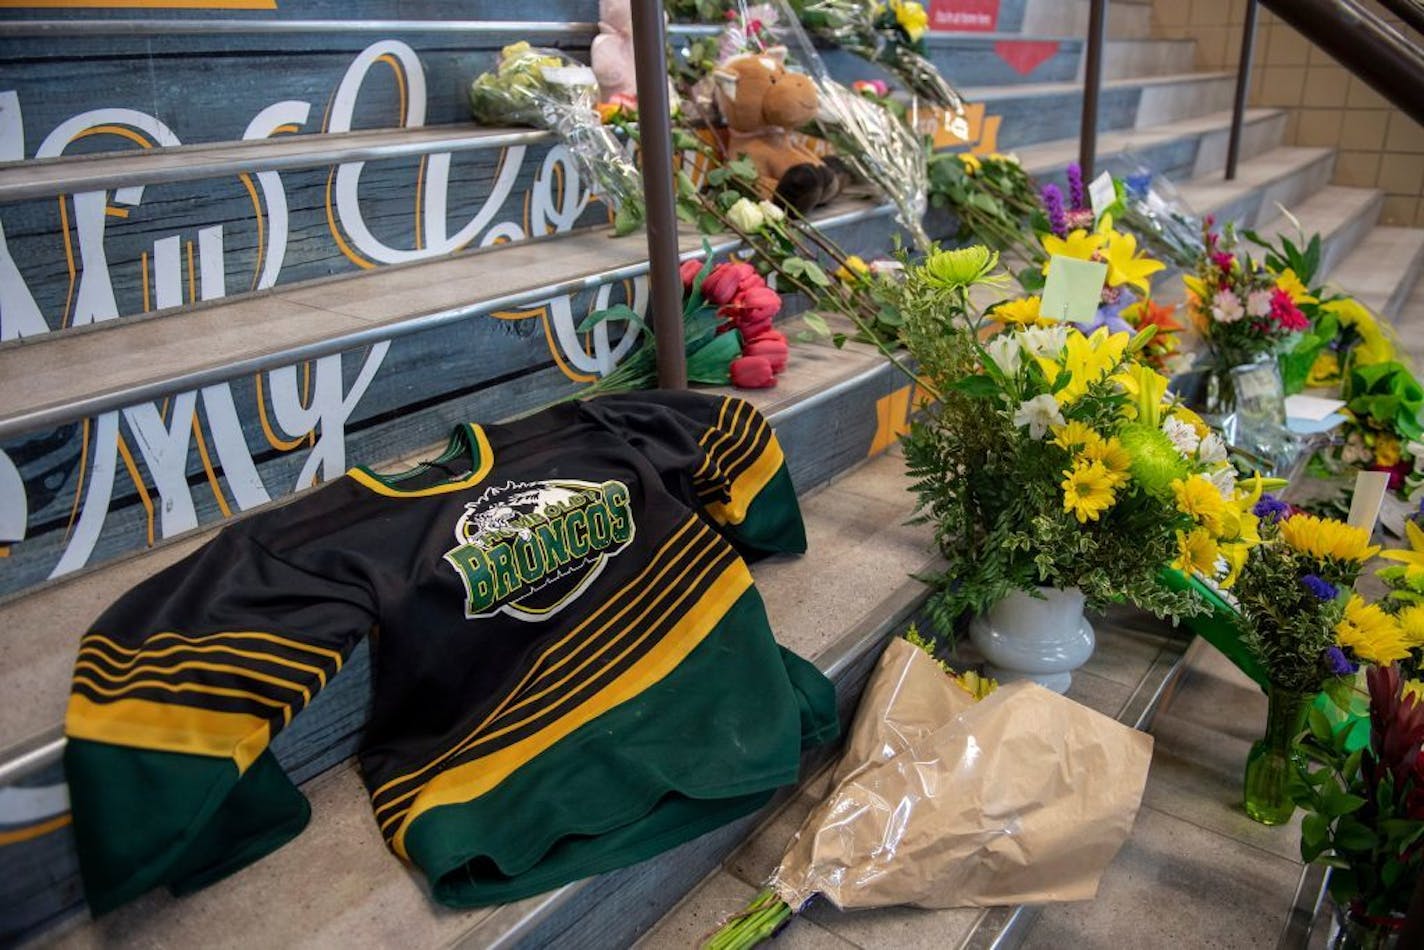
1055	466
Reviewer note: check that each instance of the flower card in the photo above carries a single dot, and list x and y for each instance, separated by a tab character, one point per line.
1073	290
1101	194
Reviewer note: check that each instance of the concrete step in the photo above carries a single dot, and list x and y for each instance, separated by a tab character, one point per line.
1382	269
1341	216
1410	324
1129	58
1044	112
1132	671
369	897
274	392
1282	175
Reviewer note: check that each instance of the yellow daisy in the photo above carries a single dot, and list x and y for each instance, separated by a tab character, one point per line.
970	162
1088	491
1111	453
1080	244
1023	312
1198	498
1323	538
1196	552
1373	635
1074	434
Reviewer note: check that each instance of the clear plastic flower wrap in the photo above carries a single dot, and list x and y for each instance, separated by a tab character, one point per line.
889	34
1156	210
548	90
876	145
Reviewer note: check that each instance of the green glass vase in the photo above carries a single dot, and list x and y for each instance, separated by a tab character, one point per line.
1271	762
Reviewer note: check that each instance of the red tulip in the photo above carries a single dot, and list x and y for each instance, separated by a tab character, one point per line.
773	351
752	325
688	271
721	286
760	302
752	372
766	335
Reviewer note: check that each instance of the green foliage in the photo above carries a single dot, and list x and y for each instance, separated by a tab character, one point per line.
1360	817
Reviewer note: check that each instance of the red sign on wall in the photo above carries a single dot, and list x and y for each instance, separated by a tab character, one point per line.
965	16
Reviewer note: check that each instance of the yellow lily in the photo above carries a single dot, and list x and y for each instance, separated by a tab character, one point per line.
1078	244
1414	557
1087	359
1125	265
1146	387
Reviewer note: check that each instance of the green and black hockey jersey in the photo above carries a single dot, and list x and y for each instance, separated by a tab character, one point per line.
572	669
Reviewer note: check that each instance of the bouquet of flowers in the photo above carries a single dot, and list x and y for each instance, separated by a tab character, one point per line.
991	197
727	332
888	33
1243	312
1365	808
1154	209
1298	616
548	90
1055	457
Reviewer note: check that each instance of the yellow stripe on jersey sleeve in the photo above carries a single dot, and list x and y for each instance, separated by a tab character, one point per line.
748	485
166	727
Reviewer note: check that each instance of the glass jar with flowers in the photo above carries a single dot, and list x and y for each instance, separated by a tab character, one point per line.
1245	314
1054	467
1301	620
1365	811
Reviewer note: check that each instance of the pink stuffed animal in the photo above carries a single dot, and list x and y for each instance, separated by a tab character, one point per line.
612	52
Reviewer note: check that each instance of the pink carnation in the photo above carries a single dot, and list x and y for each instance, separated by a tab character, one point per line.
1286	314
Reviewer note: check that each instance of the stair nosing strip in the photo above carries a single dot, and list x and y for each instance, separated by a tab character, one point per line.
200	27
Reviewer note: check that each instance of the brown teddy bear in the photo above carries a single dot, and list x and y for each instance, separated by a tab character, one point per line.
762	103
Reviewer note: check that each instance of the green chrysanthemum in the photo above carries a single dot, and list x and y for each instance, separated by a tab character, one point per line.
961	267
1156	463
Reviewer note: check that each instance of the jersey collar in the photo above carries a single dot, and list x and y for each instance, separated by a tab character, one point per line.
468	440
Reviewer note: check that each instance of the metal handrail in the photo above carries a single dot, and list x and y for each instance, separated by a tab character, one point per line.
1410	11
1092	86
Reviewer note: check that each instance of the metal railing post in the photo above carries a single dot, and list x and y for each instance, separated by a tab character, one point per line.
1243	87
1092	86
655	147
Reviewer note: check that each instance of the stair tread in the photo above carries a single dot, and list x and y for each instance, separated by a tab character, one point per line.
41	178
367	897
36	658
1214	192
1381	269
54	378
1042	157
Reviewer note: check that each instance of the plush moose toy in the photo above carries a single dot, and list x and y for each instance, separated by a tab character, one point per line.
762	102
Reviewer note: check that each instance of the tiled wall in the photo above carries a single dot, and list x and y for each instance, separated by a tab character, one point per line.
1379	146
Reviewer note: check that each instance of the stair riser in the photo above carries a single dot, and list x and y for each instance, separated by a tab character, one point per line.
1334	251
821	437
1259	206
374	404
1032	118
1070	18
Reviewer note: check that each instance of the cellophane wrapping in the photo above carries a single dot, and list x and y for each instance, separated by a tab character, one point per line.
545	89
939	801
1156	210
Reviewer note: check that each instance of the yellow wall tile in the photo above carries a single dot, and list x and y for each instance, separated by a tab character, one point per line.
1361	96
1357	169
1325	87
1282	85
1402	173
1364	128
1288	48
1419	214
1319	127
1171	13
1405	135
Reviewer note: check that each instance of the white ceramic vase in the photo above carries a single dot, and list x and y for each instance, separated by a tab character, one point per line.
1025	637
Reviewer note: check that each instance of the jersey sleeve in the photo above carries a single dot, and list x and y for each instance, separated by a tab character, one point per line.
177	692
721	453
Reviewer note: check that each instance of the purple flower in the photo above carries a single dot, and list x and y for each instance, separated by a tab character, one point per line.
1271	508
1053	207
1320	587
1339	664
1075	187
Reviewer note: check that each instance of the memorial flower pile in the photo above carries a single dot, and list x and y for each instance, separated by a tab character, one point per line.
991	196
1055	456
